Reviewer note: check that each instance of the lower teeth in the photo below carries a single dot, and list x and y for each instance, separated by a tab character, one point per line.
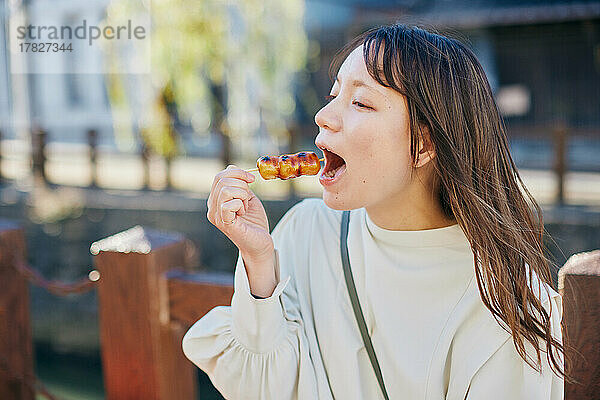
331	174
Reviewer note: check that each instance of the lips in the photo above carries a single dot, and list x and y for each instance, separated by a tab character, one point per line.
335	166
333	161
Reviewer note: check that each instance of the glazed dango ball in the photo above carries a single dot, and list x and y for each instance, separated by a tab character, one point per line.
289	166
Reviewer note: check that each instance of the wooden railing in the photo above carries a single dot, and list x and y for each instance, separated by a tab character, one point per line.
559	134
579	285
146	303
16	346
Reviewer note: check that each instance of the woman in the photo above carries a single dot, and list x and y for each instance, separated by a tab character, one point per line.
446	254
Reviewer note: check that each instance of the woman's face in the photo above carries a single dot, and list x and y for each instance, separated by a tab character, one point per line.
367	125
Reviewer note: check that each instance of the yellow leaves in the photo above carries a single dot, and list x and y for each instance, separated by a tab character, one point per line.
158	132
254	48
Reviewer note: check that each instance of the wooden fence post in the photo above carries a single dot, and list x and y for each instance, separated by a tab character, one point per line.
16	351
560	161
92	136
38	156
1	156
579	285
142	356
145	157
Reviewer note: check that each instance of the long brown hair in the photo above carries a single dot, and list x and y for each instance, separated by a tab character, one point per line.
447	92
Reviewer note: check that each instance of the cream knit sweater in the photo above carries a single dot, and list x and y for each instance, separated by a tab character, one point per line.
432	334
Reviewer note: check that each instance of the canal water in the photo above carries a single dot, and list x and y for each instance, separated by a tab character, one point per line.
76	377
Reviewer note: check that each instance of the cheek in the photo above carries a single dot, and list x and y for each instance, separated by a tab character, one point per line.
383	172
383	158
379	145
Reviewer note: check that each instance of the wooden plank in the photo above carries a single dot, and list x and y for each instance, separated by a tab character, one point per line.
560	163
16	351
579	285
141	349
192	295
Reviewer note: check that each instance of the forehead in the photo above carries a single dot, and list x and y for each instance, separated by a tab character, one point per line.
354	68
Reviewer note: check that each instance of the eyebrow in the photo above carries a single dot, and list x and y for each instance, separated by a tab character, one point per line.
360	83
356	83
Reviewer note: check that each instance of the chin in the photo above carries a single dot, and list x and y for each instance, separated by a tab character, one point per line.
337	201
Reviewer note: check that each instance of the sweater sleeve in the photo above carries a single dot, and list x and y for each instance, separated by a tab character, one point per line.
507	376
257	348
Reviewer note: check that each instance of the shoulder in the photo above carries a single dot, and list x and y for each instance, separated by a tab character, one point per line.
503	371
307	217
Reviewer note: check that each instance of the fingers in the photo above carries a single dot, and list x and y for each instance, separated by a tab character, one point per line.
229	209
232	176
228	185
233	172
228	193
226	189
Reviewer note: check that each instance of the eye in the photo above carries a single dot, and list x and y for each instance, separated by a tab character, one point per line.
358	103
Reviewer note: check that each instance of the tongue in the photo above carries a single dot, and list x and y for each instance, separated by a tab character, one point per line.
336	171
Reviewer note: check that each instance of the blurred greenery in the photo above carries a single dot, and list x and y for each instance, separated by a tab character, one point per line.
250	50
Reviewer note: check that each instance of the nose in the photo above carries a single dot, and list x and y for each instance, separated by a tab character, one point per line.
328	118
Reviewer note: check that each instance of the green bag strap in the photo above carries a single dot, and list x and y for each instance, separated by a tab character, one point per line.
355	303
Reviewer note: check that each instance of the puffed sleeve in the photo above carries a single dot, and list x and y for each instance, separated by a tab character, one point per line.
507	376
257	348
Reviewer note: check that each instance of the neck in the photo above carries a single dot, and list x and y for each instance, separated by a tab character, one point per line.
409	213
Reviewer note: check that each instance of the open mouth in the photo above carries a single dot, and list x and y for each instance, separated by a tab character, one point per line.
334	165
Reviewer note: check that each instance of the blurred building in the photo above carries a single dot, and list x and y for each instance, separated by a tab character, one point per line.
68	104
4	76
542	58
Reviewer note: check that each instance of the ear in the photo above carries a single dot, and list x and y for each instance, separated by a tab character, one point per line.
426	151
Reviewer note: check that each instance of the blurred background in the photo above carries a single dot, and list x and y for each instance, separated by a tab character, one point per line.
105	137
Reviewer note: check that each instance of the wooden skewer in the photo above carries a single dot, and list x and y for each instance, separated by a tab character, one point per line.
256	169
